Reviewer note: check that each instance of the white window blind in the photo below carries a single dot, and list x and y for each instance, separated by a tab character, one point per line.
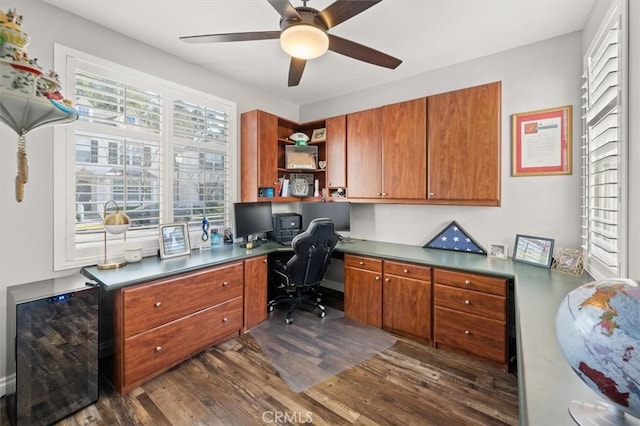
161	151
603	177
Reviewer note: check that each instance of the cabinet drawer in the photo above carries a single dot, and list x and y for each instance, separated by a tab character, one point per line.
472	302
480	336
368	263
408	270
161	348
475	282
159	302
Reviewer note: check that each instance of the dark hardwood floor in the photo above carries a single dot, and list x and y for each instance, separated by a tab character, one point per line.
235	384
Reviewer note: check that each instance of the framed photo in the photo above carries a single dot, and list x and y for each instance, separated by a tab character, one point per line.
533	250
319	135
498	251
174	240
541	142
570	261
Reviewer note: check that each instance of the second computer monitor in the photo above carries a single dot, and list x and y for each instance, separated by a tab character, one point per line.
338	212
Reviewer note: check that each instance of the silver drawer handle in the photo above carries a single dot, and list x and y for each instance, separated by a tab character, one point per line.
361	263
158	348
467	282
225	319
406	271
467	302
377	278
157	304
226	283
387	280
467	332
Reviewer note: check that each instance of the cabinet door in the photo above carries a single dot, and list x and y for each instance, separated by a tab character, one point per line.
404	150
336	148
407	305
363	296
259	153
464	146
364	154
255	291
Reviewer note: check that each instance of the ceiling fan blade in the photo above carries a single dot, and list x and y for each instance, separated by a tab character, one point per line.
295	70
341	10
217	38
362	53
285	9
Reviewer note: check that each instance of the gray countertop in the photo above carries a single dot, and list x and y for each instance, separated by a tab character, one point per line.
546	382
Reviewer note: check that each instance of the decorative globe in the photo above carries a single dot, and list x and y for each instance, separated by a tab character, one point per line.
598	329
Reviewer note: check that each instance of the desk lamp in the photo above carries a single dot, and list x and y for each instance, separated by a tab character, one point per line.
114	223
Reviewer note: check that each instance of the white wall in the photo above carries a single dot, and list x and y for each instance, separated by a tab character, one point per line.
542	75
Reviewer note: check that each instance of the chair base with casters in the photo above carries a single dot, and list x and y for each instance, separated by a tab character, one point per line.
301	298
301	275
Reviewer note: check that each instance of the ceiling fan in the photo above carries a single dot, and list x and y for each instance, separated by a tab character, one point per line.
304	35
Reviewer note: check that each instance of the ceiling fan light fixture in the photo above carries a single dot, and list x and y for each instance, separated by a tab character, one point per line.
304	41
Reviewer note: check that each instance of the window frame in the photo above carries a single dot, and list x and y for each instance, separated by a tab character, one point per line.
617	13
66	253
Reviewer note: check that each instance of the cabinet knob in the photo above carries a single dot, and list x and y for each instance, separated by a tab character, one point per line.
158	348
406	271
264	260
431	194
225	319
377	278
361	263
224	284
330	184
467	302
379	194
467	332
157	304
387	280
384	194
467	282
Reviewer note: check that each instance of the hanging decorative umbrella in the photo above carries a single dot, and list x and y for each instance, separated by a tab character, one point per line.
28	98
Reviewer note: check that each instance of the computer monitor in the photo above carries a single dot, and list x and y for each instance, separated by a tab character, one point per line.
338	212
252	218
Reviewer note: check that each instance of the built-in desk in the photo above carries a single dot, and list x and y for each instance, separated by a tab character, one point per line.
546	382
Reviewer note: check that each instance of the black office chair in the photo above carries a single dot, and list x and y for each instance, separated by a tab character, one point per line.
304	271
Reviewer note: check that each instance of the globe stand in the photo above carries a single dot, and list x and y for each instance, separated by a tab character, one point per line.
600	413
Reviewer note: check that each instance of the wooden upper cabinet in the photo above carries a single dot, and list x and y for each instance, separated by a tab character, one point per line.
364	154
463	140
259	160
404	150
386	151
336	146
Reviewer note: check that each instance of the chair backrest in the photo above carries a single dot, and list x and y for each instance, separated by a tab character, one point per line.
312	253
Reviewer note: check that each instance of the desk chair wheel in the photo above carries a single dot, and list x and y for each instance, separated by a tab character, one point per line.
289	321
323	314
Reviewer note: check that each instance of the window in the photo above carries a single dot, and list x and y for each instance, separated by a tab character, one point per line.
161	151
604	151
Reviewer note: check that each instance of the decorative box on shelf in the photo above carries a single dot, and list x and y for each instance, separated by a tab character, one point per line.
301	184
301	157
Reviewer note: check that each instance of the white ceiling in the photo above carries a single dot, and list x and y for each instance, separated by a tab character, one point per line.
424	34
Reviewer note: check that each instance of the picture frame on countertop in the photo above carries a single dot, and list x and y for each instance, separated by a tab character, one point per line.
319	135
498	251
536	251
174	240
570	261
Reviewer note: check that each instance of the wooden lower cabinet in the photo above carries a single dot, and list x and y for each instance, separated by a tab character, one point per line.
385	294
363	289
161	323
255	291
470	314
406	295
